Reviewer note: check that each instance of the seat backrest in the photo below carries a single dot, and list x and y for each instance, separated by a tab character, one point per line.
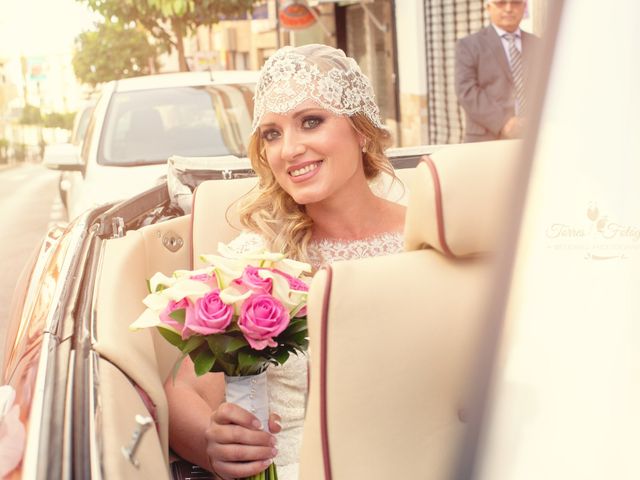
214	214
462	198
392	338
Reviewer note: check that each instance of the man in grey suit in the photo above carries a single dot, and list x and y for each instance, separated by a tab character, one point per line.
490	73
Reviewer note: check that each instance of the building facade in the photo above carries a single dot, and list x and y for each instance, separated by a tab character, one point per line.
406	48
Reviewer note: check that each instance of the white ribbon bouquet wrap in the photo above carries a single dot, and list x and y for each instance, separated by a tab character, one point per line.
238	315
251	393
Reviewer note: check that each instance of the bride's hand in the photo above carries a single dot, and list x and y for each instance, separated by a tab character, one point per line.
236	446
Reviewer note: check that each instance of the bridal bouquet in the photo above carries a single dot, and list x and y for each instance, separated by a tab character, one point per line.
238	315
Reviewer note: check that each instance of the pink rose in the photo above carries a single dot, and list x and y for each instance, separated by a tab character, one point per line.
252	280
171	307
210	315
262	317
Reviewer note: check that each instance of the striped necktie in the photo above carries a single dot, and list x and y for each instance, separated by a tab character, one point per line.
517	72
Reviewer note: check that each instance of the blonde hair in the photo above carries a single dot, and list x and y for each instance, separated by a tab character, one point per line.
269	210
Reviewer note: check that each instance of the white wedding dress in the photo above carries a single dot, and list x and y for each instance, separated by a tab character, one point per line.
288	382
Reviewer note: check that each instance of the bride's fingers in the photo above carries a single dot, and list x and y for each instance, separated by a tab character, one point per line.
237	434
239	470
235	446
274	423
241	453
229	413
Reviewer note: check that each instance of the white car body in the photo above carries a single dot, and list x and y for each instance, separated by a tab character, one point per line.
93	179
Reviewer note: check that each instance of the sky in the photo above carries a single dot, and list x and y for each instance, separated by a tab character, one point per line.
41	27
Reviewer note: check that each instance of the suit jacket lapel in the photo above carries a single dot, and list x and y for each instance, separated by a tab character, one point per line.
493	41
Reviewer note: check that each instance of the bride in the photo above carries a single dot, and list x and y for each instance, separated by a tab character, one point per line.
317	142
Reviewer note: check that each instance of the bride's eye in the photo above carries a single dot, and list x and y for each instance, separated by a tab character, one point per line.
269	135
310	123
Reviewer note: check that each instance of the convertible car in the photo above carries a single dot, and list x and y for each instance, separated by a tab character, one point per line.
508	345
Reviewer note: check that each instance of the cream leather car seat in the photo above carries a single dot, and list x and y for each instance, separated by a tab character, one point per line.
214	215
392	338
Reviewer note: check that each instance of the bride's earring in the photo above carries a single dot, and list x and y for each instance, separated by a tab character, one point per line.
364	147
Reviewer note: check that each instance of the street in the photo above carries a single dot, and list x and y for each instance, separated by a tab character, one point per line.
29	203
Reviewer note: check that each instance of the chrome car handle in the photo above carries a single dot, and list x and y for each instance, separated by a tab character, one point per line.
142	425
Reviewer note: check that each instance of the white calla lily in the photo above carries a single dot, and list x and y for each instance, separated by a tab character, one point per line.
293	267
185	287
147	319
156	301
232	295
282	290
298	297
181	288
228	267
161	279
262	258
193	273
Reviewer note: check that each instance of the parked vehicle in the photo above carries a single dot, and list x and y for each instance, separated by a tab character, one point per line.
138	123
69	152
543	333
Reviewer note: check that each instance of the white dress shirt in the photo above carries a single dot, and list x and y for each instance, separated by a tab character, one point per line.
505	42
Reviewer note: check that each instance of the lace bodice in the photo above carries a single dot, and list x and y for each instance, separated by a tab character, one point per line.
326	251
288	382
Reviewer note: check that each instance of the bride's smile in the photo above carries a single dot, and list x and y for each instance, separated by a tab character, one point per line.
304	171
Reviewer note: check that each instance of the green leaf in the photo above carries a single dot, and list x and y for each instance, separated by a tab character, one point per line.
224	365
172	337
234	344
247	360
179	315
282	356
249	363
296	325
300	338
234	328
221	344
193	343
176	367
204	361
148	285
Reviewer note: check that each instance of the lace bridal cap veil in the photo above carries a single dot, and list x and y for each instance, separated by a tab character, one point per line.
314	72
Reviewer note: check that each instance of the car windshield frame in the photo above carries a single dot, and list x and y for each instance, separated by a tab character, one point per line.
183	127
